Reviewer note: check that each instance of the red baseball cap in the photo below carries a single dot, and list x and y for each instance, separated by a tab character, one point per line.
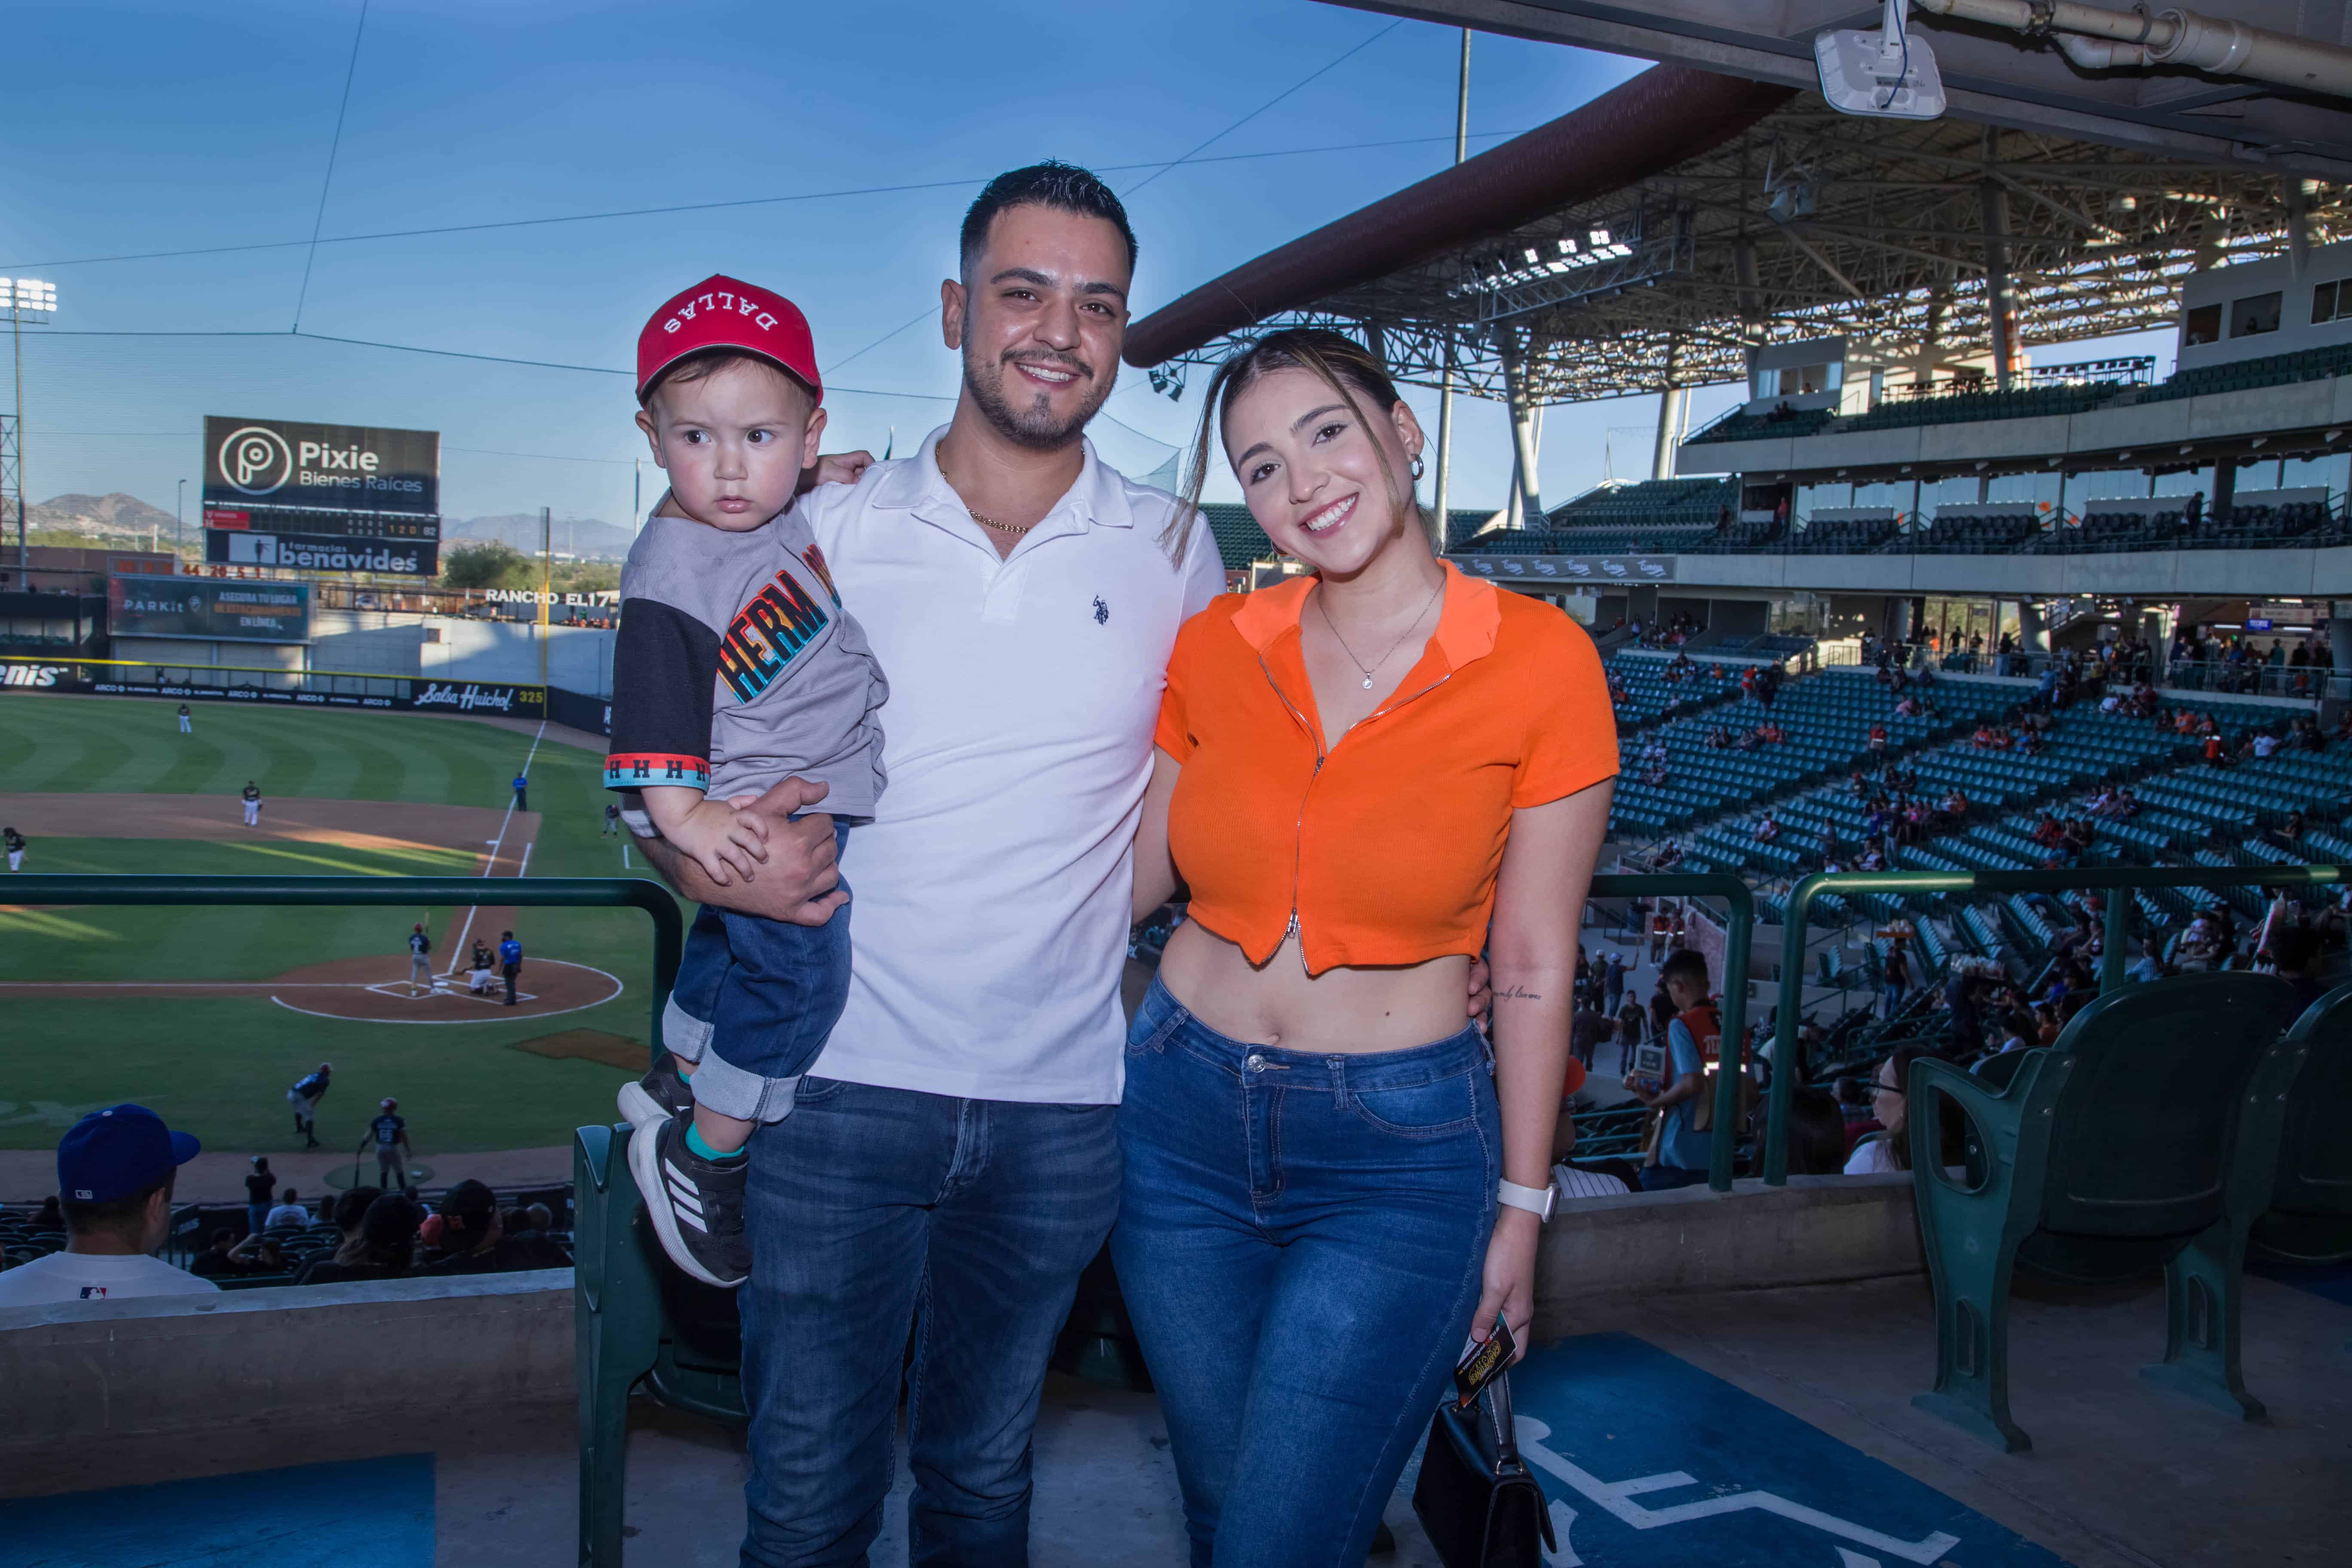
724	312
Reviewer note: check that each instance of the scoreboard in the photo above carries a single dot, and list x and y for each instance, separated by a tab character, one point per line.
321	497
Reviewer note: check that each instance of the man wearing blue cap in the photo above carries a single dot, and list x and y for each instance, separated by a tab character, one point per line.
115	1171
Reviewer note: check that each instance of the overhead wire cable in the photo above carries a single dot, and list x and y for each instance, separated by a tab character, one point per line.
327	182
1262	108
603	215
1163	168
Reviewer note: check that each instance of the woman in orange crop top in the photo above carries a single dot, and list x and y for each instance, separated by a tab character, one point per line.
1366	778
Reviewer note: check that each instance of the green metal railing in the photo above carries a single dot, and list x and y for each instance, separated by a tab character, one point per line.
2113	957
1739	932
407	893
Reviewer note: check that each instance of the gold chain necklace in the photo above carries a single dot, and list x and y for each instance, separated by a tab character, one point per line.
986	521
982	518
1408	631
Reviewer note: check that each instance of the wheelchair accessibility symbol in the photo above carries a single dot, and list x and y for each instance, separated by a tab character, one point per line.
1617	1498
1649	1462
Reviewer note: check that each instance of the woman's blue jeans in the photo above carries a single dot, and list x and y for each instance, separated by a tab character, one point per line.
1301	1241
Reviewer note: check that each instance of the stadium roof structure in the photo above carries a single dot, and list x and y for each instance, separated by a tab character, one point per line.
1657	235
2023	71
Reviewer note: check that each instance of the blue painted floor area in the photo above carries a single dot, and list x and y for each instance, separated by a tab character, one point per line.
1651	1462
2332	1282
367	1513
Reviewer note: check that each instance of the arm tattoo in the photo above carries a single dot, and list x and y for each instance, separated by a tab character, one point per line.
1518	994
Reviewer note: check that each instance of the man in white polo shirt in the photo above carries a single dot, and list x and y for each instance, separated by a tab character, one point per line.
950	1160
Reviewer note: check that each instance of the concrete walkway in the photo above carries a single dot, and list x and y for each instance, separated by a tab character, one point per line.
1765	1428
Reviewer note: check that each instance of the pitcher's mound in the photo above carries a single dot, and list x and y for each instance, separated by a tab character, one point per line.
376	991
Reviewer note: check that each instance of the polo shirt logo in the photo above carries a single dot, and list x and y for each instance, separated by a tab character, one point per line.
765	634
1102	612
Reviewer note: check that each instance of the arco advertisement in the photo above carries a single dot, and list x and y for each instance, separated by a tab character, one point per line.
270	687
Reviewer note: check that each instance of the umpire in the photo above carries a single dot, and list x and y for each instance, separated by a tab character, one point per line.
509	962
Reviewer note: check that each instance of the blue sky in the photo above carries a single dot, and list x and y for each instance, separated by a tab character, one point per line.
137	127
143	127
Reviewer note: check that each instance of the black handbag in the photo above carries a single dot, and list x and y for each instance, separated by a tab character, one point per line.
1475	1497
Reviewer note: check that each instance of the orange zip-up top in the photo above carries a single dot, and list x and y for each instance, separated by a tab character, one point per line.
1383	847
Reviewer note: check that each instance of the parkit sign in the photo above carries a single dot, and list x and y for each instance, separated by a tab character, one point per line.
211	610
1570	569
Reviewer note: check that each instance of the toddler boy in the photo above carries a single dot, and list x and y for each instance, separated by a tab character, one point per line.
736	668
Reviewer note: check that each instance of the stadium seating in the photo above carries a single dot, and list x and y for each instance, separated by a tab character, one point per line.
1840	535
2310	1215
2019	403
2068	1183
1828	717
2246	374
1662	502
1772	426
1994	529
1645	680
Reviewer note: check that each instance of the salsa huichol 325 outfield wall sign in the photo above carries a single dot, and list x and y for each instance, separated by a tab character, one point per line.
321	497
292	689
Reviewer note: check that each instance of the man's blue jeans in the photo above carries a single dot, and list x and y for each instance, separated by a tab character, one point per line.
872	1209
1301	1243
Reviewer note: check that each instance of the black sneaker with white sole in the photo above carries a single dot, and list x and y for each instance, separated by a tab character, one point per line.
661	1094
696	1204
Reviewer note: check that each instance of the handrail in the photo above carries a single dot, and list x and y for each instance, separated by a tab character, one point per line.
2117	934
412	892
1738	934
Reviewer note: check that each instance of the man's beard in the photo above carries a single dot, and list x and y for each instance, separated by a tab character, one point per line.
1037	426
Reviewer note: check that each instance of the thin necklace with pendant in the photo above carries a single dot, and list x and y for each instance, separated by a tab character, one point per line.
1408	631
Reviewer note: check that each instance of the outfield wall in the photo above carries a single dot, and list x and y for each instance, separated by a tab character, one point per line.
452	647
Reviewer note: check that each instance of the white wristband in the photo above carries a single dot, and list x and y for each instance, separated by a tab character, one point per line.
1537	1201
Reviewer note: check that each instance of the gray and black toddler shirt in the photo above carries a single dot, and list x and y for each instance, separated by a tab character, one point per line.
737	668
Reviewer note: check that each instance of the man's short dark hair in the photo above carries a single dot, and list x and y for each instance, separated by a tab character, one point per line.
1688	963
121	1217
1064	187
350	1207
223	1233
469	1206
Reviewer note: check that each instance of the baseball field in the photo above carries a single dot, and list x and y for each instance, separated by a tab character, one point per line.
208	1014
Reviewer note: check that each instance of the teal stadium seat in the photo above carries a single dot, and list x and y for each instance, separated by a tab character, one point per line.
2147	1135
2310	1215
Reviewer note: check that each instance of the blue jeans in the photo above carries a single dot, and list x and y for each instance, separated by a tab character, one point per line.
254	1215
1301	1242
755	1001
870	1209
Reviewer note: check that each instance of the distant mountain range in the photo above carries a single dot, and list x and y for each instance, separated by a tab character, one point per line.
583	538
113	518
109	517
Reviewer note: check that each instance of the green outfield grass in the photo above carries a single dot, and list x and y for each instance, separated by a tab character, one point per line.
220	1067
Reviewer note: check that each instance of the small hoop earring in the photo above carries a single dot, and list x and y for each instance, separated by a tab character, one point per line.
1416	466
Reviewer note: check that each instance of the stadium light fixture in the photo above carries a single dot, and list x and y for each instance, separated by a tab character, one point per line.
1884	75
22	296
